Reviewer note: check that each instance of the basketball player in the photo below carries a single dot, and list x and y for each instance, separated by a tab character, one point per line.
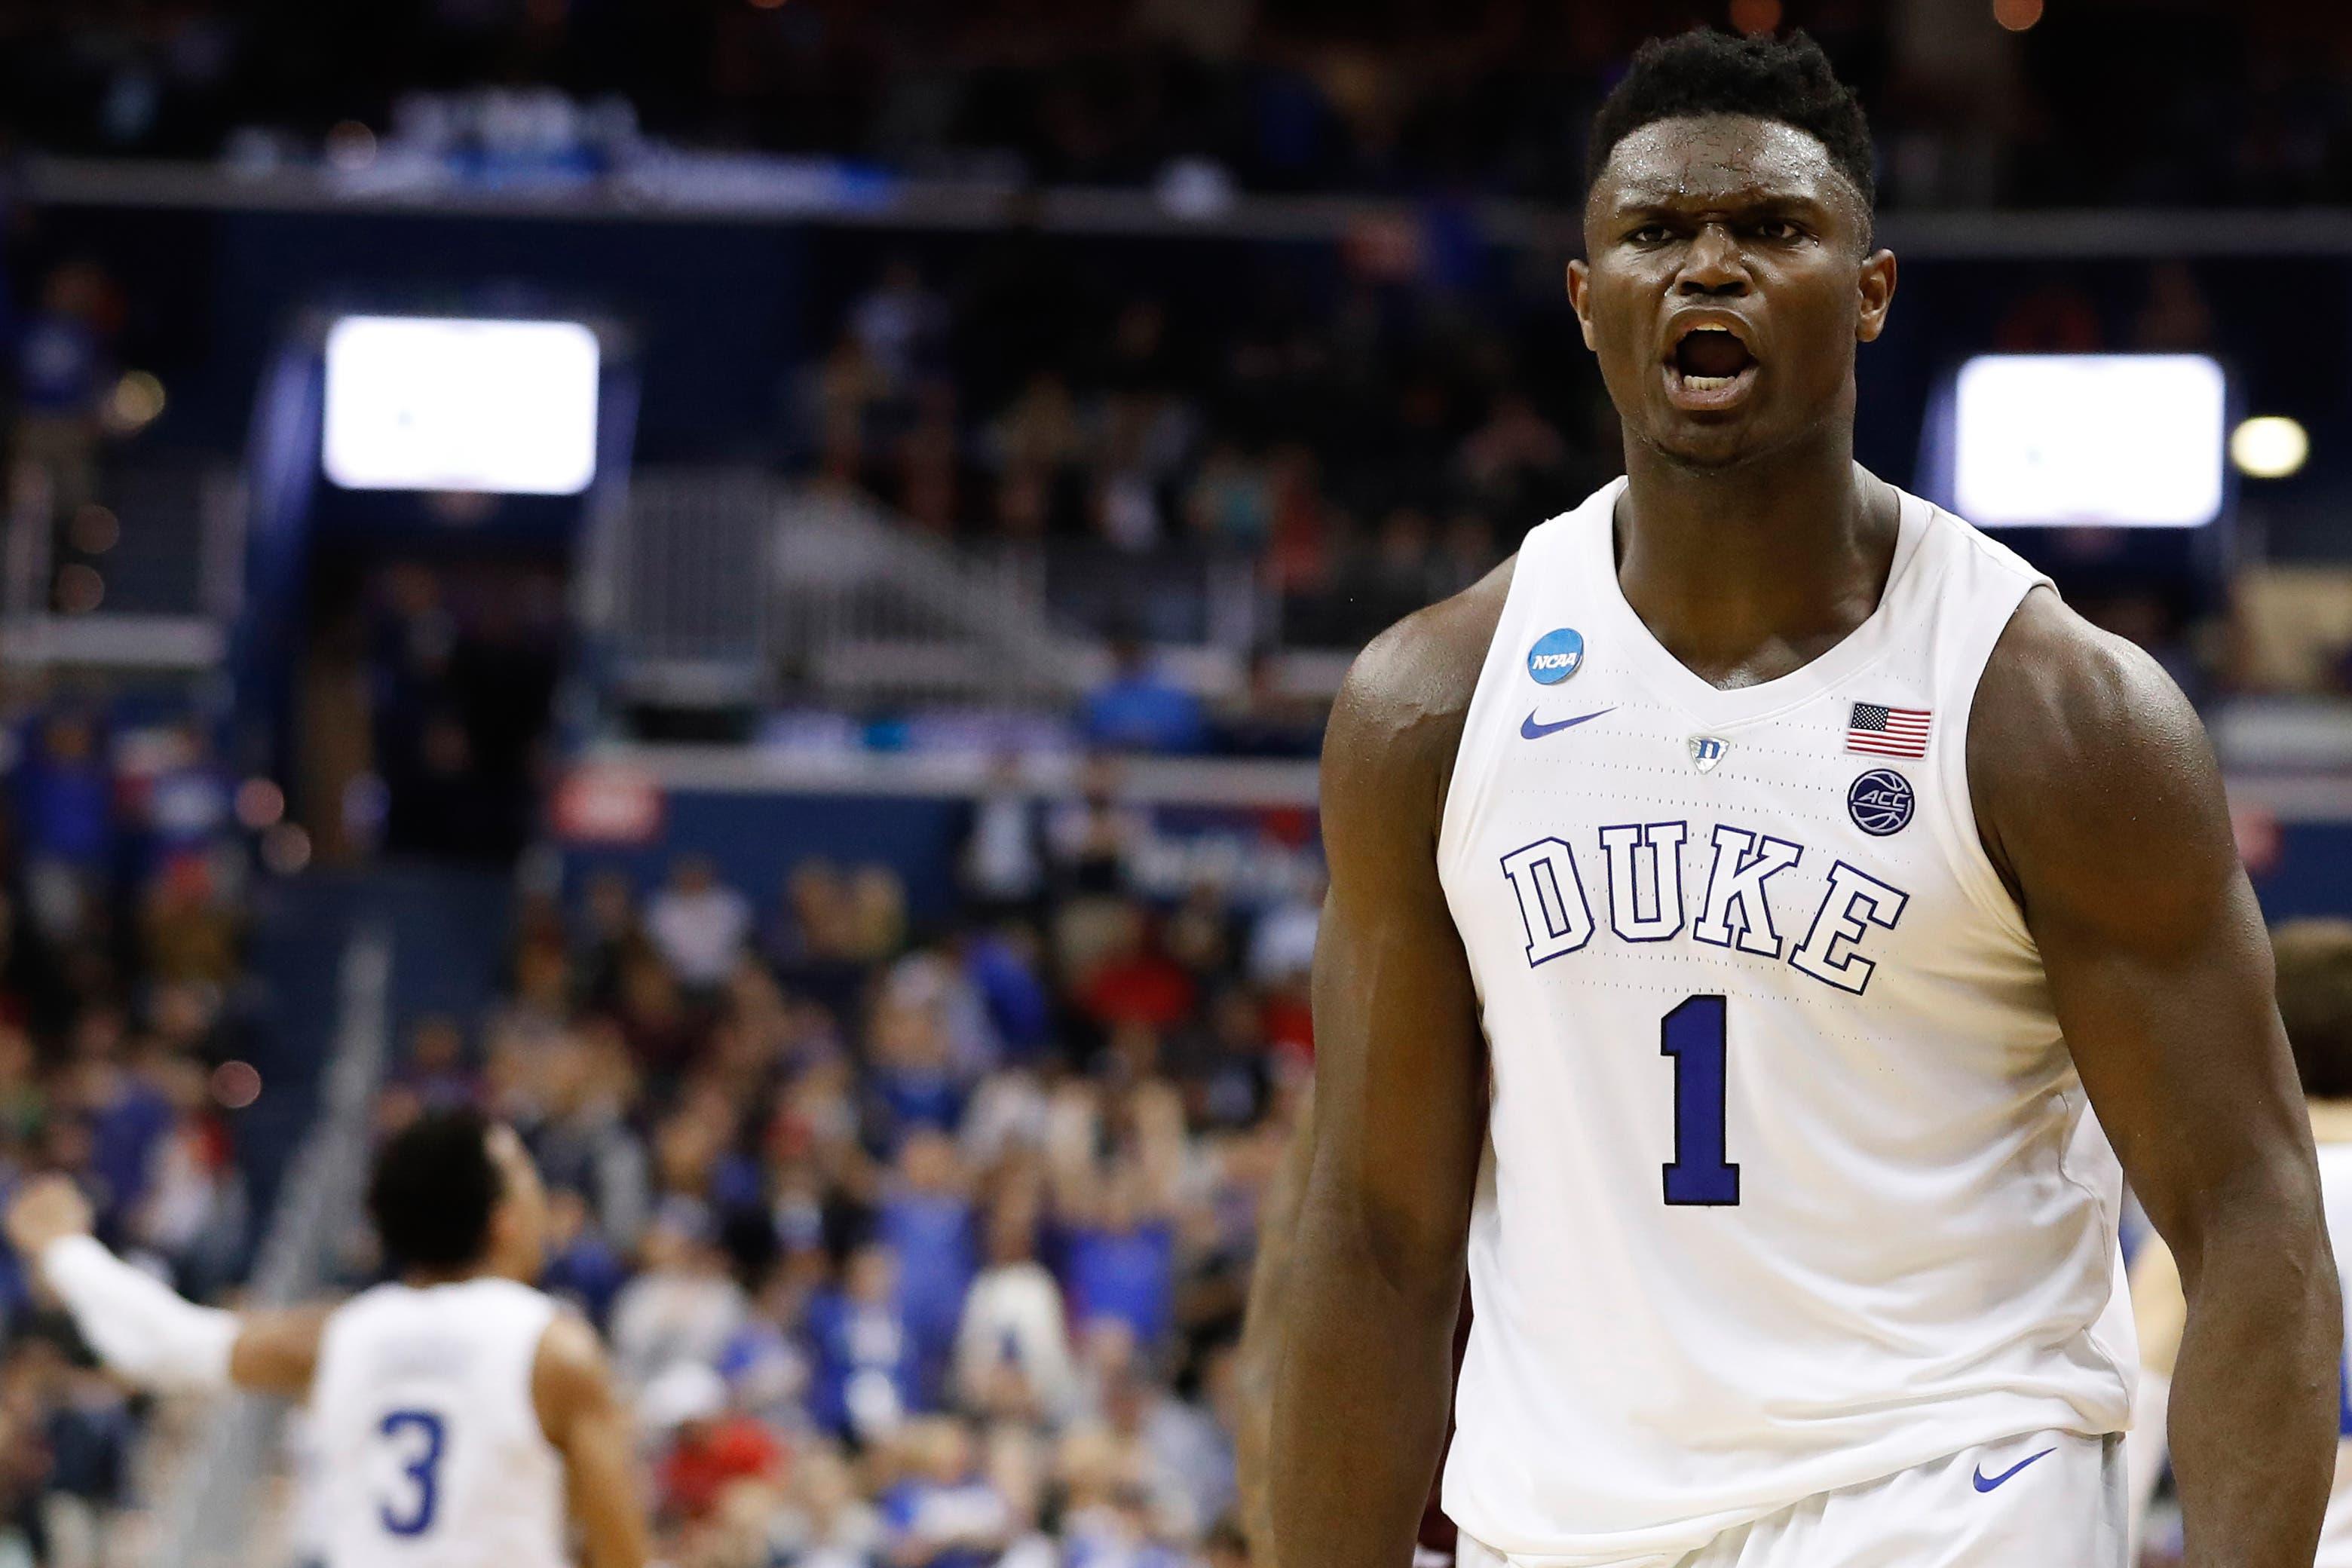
2314	997
1799	873
455	1412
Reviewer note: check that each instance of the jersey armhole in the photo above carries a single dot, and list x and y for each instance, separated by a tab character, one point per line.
1963	841
1461	804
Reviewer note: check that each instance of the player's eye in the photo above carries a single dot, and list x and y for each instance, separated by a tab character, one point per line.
1650	234
1777	228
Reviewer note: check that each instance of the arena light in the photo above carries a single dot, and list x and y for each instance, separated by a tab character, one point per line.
95	530
79	589
132	404
500	407
2119	440
2270	446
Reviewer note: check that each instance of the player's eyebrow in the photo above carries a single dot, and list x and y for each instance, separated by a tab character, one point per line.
1648	199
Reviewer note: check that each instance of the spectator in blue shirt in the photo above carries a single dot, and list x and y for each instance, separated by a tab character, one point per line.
582	1267
865	1359
1120	1262
927	1218
67	797
943	1515
1018	1006
1137	709
62	374
128	1112
184	807
915	1080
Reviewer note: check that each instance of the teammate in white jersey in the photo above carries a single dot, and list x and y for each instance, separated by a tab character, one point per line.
1739	901
2315	995
456	1413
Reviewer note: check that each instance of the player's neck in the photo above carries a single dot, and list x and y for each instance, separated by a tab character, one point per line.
425	1278
1788	552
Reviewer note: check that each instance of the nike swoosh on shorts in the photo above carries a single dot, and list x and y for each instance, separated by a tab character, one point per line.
1986	1484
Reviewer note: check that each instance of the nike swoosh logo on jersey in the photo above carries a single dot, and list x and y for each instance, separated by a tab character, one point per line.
1532	731
1986	1483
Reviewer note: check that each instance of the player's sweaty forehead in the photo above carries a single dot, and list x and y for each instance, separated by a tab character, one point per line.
1728	163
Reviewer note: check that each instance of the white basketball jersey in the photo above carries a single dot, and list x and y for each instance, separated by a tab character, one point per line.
1792	1181
2335	1193
428	1447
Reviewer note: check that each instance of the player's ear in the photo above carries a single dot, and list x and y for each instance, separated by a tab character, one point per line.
1875	284
1580	294
499	1241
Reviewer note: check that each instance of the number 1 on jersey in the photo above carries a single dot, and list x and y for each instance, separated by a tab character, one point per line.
1694	1034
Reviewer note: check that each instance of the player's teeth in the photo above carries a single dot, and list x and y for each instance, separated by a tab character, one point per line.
1709	383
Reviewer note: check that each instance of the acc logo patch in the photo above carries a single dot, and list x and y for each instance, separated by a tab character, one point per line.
1556	655
1881	801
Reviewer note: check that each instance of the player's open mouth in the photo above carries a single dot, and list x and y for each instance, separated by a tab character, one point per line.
1709	368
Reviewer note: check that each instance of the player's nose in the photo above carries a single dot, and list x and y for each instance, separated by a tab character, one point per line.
1712	263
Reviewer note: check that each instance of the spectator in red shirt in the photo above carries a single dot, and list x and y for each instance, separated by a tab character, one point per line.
711	1448
1136	983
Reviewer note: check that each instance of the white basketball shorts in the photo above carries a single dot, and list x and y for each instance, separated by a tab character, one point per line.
2048	1499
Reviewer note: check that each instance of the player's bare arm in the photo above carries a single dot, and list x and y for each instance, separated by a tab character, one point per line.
1400	1113
141	1329
276	1351
1260	1359
572	1387
2100	801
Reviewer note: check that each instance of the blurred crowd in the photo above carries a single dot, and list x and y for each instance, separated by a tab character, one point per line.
122	937
1274	94
1369	449
1367	432
916	1242
916	1247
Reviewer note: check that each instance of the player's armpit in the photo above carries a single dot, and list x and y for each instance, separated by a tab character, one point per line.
2100	801
571	1388
277	1352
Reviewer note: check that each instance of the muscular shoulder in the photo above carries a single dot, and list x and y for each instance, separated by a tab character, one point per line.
1398	719
568	1374
2089	767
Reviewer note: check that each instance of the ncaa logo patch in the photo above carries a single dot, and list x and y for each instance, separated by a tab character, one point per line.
1881	801
1556	655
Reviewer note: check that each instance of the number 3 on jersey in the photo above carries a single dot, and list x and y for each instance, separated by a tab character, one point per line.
1694	1034
416	1439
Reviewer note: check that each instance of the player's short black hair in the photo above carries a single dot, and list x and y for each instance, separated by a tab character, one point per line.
2314	998
432	1190
1705	72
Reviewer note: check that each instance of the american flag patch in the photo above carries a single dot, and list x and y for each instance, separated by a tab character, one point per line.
1884	732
